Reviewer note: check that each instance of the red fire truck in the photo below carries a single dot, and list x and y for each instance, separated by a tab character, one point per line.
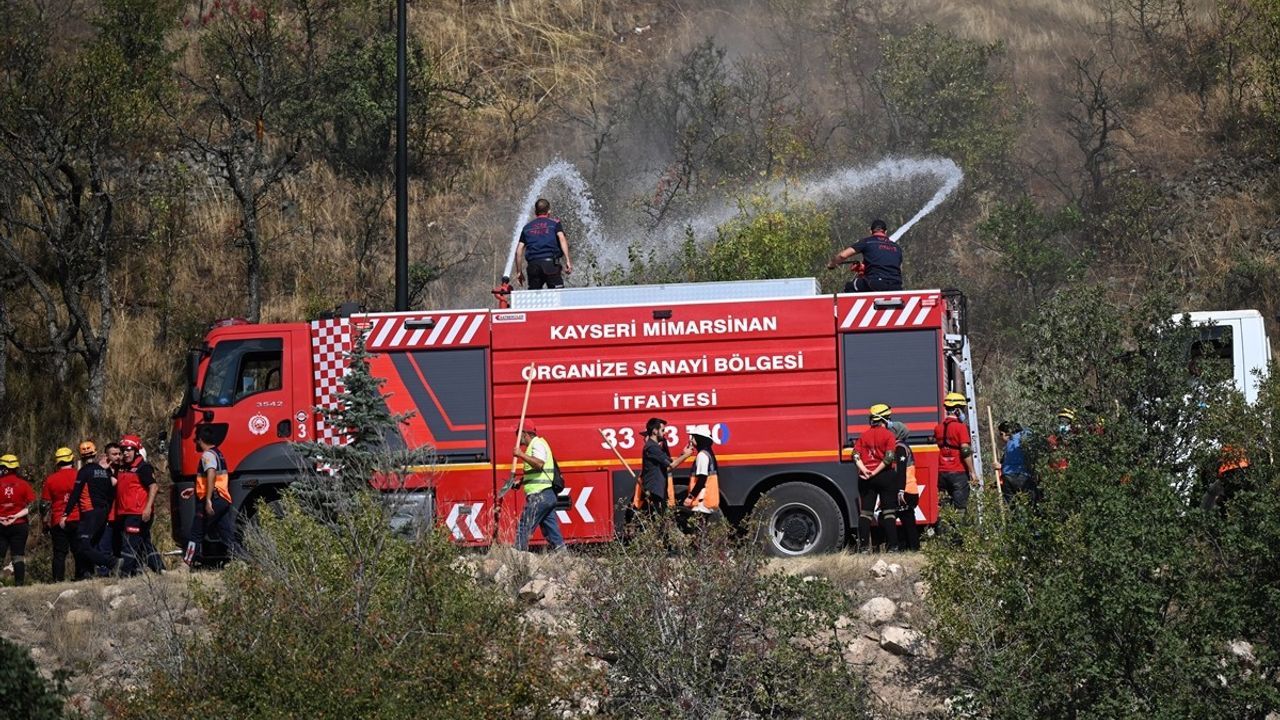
782	373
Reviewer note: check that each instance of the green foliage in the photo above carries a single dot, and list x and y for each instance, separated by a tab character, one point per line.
24	693
769	239
1118	597
371	448
711	634
312	628
1035	247
950	96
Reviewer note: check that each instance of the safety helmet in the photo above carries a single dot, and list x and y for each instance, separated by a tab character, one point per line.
702	431
1067	414
63	455
131	442
9	461
87	448
954	400
880	412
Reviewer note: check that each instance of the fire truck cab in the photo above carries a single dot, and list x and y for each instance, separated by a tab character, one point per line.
781	373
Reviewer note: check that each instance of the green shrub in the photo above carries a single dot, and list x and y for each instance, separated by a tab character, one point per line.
1119	597
379	626
709	634
24	693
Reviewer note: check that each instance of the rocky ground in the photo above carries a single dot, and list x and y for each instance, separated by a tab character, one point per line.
101	631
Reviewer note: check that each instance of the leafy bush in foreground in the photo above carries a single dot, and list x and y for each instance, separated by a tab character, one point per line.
708	634
306	629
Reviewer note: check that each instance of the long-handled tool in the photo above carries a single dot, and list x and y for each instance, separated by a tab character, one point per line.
614	447
511	481
995	456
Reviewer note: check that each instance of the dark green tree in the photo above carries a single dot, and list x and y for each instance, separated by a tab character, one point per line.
1118	596
24	693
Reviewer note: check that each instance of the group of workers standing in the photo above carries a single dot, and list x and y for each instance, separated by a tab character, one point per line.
654	493
99	512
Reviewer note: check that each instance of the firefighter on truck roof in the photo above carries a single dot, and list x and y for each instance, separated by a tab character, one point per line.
882	258
877	480
955	453
543	244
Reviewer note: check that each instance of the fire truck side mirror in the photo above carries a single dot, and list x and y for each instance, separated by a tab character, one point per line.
206	415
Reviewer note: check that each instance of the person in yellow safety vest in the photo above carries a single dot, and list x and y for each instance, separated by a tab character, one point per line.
1231	466
539	498
704	486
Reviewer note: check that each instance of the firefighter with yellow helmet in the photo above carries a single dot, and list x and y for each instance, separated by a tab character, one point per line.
16	497
876	478
955	453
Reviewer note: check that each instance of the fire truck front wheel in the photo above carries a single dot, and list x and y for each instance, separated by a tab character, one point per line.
800	519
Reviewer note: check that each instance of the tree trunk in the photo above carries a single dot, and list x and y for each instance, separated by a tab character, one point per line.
253	257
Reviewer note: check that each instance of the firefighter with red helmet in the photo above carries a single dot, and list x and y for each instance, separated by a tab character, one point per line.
882	257
955	453
135	496
874	455
54	495
135	463
1059	441
16	497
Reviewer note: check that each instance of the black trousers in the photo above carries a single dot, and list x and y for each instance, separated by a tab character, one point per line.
132	550
545	274
909	536
882	486
871	284
223	520
93	526
64	541
13	539
154	561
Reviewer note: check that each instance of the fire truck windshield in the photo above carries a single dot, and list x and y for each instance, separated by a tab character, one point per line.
240	368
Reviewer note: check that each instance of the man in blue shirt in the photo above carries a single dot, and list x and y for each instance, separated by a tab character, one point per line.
883	259
543	244
1015	475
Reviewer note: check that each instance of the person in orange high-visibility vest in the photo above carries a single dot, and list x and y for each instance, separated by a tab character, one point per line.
213	499
904	468
704	486
1232	463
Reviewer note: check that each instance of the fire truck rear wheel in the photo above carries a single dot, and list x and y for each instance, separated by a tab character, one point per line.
801	519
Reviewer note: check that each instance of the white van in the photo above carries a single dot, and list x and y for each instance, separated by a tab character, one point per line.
1239	336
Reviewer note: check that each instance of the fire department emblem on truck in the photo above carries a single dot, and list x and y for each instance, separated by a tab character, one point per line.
259	424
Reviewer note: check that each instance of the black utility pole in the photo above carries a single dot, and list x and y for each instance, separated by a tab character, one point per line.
402	159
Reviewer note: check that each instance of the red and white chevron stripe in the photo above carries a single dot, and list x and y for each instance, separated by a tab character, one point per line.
393	332
914	311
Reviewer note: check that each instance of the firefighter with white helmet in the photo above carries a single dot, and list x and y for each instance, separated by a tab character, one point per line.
873	453
704	486
955	453
16	497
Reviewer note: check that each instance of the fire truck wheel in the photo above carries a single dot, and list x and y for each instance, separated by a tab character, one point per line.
801	519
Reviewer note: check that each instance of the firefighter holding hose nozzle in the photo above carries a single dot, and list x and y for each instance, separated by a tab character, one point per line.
882	260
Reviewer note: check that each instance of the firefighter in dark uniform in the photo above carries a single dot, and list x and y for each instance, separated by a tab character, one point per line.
543	245
883	258
16	497
653	494
93	494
